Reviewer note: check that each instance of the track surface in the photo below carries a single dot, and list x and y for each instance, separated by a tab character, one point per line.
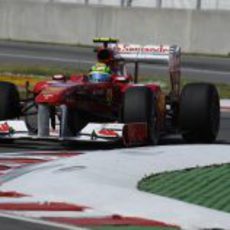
194	68
13	224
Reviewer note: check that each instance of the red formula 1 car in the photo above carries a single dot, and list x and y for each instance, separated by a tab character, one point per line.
119	109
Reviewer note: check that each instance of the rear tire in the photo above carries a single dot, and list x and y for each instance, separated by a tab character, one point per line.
9	101
199	113
139	106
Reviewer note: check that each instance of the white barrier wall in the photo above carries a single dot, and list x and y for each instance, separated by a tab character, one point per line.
194	31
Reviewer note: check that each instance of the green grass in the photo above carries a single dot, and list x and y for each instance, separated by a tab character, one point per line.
207	55
223	89
19	74
206	186
38	70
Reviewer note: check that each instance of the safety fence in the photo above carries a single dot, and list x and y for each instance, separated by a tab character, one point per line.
196	31
171	4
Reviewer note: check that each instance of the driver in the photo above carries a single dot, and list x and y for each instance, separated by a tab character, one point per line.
100	72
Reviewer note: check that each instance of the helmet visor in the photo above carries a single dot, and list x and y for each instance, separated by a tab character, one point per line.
99	77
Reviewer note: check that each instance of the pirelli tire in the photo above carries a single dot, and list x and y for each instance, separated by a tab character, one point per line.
72	121
199	115
9	101
140	106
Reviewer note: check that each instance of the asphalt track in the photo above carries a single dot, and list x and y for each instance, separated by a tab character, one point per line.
212	69
7	223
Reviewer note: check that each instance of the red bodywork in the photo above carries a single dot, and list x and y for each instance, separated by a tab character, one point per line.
101	99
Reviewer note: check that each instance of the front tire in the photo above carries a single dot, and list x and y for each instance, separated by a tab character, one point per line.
72	121
199	113
31	117
9	101
140	106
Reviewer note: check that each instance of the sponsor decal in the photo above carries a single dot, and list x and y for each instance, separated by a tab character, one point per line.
104	133
121	48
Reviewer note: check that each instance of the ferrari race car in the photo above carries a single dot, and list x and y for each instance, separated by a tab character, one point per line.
120	109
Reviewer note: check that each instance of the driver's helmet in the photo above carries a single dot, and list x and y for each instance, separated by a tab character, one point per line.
100	73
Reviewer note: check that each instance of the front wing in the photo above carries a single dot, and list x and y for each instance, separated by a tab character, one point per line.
128	134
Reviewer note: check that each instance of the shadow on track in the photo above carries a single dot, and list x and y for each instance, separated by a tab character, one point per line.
21	145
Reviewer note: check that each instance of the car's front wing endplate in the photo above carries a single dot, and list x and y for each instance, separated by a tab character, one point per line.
129	134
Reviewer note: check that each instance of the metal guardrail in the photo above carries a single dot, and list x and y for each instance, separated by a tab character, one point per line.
172	4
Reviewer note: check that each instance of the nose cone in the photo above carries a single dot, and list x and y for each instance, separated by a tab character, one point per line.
51	95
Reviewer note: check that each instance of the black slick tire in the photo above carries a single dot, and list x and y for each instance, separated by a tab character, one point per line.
9	101
199	113
31	117
139	106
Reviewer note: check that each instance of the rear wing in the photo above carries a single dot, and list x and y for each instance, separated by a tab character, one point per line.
154	54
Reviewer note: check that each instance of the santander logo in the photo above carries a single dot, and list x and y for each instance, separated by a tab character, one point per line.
148	49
